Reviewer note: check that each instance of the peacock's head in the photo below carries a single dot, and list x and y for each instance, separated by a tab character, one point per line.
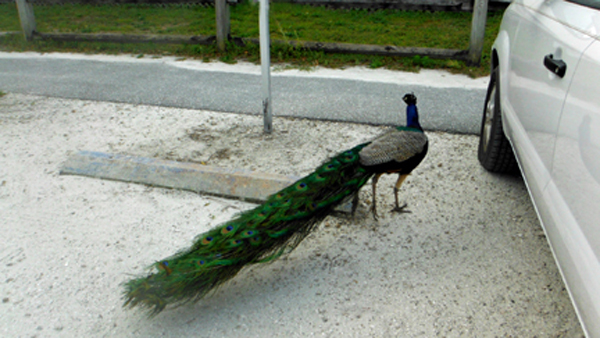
410	99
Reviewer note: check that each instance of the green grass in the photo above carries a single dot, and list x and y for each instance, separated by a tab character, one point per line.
288	22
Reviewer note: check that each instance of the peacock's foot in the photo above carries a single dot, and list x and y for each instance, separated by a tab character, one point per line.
375	216
374	212
401	209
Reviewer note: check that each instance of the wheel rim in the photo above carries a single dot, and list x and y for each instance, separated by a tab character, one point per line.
488	119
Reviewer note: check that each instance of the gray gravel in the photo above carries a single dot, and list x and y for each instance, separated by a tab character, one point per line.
470	260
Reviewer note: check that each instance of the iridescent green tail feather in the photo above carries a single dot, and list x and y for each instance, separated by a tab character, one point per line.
255	236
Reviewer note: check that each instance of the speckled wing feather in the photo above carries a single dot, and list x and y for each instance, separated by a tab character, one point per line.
396	145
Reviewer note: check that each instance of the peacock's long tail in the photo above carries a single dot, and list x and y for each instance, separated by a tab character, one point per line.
255	236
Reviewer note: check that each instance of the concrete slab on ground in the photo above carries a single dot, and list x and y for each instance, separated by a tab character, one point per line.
227	182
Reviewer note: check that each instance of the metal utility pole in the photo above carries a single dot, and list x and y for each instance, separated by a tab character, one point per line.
265	61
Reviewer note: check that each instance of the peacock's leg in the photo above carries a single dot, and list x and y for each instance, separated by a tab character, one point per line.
374	206
354	203
399	208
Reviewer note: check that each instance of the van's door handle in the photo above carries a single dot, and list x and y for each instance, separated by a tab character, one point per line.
556	66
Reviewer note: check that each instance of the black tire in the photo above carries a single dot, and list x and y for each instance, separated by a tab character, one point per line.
495	152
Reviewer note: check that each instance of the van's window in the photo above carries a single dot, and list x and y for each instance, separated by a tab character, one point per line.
589	3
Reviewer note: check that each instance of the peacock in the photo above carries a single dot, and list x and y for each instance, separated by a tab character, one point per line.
283	221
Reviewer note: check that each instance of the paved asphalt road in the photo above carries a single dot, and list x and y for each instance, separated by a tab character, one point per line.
363	97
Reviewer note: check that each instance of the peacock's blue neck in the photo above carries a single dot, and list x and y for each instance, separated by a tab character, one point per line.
412	117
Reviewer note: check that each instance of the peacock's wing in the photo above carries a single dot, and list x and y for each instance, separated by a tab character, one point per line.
396	145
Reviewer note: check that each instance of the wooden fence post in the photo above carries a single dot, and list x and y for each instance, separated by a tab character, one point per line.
477	32
223	24
27	18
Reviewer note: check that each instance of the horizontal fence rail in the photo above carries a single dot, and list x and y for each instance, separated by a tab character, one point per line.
472	55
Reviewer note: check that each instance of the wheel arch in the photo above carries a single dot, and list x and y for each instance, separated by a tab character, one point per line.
500	58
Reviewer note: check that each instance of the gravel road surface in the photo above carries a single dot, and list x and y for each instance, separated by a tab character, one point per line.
470	260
